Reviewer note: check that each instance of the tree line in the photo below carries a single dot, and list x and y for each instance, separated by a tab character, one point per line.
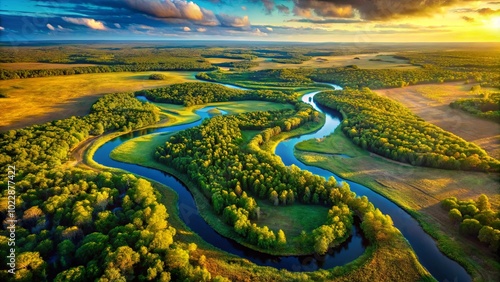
387	128
488	106
197	93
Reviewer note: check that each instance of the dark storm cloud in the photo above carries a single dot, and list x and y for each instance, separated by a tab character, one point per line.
370	9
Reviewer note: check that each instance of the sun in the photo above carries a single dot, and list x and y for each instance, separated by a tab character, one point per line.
495	22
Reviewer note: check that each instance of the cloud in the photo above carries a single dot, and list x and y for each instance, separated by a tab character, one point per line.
323	8
258	32
244	8
369	9
49	26
91	23
325	21
117	25
283	9
268	6
468	19
186	29
487	12
174	9
2	28
233	21
201	29
269	28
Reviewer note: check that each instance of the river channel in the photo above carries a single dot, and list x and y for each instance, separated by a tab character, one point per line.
440	266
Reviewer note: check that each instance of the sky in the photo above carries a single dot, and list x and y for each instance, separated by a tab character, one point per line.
252	20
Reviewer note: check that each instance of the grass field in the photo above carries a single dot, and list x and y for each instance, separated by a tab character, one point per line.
365	61
40	66
431	102
418	190
37	100
291	218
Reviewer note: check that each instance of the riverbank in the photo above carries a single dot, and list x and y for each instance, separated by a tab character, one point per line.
418	190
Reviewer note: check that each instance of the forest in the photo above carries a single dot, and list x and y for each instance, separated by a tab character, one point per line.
81	225
232	176
385	127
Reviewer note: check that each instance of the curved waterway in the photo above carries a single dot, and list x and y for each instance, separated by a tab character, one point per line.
440	266
351	249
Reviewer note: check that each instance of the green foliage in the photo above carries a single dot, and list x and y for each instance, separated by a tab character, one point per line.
487	107
122	58
47	145
157	76
393	131
228	174
478	219
197	93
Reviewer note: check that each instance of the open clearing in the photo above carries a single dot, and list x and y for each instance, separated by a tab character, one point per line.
431	102
40	66
38	100
414	188
364	61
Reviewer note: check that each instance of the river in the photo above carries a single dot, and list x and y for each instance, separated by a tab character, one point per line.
440	266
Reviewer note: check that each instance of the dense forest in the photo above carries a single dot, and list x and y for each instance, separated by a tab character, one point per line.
232	174
488	106
476	219
81	225
385	127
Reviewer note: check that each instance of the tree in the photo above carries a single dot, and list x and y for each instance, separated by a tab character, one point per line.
470	227
281	240
455	215
483	203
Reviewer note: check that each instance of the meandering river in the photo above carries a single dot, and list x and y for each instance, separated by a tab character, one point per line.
440	266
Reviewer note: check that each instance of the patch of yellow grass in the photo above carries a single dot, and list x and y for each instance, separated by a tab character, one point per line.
38	100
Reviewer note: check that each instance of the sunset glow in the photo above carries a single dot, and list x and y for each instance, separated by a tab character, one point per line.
259	20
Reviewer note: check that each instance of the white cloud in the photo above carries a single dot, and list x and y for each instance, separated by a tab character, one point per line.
2	28
49	26
244	8
117	25
269	28
201	29
60	27
258	32
91	23
186	29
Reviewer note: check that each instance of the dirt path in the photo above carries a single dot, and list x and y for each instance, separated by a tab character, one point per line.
431	102
76	156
